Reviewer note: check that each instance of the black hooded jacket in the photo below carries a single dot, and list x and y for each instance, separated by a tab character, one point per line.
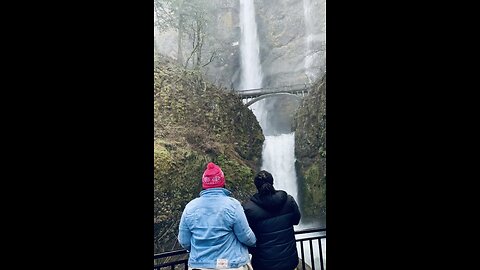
271	218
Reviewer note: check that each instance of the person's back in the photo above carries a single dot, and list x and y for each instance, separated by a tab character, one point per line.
271	214
214	228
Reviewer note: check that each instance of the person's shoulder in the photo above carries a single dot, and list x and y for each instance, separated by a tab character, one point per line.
248	203
192	203
290	200
250	206
234	201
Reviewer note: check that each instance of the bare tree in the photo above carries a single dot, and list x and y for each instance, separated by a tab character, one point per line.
189	18
169	14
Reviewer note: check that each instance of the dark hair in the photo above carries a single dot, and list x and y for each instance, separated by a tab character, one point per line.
264	183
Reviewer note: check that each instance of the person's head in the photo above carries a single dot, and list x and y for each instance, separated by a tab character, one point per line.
213	177
264	183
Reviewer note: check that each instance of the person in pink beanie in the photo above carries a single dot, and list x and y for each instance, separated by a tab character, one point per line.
214	228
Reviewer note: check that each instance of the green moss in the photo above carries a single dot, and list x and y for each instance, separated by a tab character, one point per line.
162	159
314	190
195	123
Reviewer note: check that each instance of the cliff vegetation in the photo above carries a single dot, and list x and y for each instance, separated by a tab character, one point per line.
195	123
310	150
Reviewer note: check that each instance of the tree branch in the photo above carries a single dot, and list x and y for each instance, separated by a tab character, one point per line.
162	14
211	58
191	54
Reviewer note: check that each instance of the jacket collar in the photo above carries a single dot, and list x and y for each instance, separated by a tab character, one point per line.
272	202
215	192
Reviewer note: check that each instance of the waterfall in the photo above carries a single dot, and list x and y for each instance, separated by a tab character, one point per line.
251	77
278	150
279	159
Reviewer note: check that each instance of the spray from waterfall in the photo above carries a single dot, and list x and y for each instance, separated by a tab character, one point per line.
308	40
315	25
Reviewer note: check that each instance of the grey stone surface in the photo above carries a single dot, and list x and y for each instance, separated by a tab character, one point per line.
283	32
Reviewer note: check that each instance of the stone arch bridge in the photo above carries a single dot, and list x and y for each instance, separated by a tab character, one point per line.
251	96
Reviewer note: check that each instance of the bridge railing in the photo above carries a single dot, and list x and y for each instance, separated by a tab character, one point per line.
307	240
278	89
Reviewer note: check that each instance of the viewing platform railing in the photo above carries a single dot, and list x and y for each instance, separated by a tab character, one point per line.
307	243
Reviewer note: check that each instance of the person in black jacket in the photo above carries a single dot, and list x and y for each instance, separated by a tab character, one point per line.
271	215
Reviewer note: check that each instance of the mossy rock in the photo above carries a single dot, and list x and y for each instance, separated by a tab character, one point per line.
310	149
195	123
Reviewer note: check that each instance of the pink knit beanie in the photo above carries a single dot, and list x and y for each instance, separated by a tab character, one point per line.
213	177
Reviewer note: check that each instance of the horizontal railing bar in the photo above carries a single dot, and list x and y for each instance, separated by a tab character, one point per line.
310	231
183	251
312	238
265	90
169	253
170	263
248	94
276	87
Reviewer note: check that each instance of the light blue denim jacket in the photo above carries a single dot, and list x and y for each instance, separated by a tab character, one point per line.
215	230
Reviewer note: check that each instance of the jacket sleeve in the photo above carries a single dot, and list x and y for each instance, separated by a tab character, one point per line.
296	212
241	229
184	234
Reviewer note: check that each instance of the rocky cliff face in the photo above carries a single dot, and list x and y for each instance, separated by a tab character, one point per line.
310	150
194	123
291	45
292	41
